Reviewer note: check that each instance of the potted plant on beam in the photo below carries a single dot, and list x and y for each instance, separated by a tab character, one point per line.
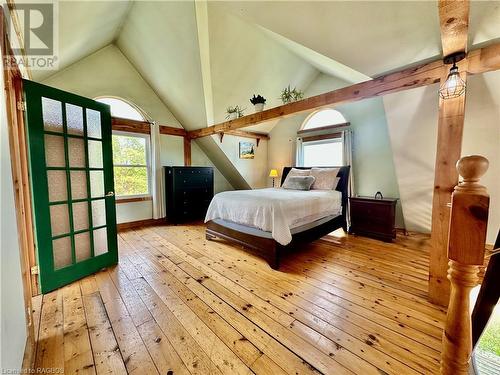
258	101
234	112
289	95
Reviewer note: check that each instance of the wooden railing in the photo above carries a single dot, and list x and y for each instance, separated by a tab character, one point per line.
466	247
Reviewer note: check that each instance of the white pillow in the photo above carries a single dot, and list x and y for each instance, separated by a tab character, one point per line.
294	172
325	178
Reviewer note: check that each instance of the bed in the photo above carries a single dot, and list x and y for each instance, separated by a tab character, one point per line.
310	215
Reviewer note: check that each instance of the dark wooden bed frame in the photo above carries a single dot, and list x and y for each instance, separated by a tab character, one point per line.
271	250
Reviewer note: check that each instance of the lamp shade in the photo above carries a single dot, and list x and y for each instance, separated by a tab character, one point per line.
454	86
273	173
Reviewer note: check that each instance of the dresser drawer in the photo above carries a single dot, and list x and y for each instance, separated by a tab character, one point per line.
193	193
192	181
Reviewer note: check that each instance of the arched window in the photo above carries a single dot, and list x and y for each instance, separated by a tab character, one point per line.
325	149
120	108
322	118
131	155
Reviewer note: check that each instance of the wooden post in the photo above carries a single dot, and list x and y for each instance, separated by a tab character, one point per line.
187	151
449	147
466	244
454	25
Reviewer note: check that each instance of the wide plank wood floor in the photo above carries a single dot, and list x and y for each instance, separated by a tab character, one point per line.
178	304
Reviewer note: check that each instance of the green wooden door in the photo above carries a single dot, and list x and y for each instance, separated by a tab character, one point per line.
71	172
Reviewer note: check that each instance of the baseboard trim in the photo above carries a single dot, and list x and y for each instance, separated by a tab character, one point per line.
139	223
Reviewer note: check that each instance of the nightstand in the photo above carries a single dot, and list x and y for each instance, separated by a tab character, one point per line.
372	217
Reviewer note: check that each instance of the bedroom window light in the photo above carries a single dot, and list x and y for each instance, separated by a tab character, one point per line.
131	152
131	164
324	153
322	118
120	108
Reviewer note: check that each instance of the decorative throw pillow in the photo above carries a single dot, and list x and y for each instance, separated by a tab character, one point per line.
298	182
325	178
297	172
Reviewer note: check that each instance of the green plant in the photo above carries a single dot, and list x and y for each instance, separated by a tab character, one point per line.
259	99
236	109
289	95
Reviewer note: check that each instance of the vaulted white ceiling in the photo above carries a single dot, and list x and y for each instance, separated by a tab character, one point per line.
85	27
371	37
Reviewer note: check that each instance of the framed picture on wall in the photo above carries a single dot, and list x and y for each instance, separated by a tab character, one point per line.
247	150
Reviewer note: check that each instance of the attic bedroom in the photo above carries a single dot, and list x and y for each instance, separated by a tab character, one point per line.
250	187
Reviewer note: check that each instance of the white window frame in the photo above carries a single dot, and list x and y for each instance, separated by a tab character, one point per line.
322	141
148	163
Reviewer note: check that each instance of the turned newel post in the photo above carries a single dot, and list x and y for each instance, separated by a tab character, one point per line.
466	243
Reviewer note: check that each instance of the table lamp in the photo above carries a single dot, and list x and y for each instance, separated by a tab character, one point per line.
273	174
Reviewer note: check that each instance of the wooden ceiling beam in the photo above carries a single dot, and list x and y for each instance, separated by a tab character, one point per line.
478	61
247	134
454	22
144	127
127	125
169	130
454	25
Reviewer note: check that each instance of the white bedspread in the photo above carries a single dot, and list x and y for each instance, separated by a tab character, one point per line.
275	210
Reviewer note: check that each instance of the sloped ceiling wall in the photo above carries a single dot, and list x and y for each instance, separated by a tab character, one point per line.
242	61
362	35
85	27
160	39
245	61
412	119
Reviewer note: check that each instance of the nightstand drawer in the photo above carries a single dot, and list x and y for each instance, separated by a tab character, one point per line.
373	217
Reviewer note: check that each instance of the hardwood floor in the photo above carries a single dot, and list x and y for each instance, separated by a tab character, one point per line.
178	304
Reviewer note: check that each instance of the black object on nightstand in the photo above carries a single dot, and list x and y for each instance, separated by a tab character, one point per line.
373	217
189	191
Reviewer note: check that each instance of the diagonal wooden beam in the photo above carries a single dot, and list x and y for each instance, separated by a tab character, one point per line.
454	21
479	61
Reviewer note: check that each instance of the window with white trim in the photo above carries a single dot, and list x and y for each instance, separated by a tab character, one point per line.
131	164
321	146
323	153
131	153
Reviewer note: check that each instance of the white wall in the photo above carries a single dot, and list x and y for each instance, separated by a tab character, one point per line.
108	73
372	154
255	171
244	61
412	119
13	323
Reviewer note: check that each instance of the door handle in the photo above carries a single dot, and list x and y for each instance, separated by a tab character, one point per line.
110	194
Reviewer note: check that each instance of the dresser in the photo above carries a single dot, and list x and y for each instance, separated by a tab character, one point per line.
373	217
189	191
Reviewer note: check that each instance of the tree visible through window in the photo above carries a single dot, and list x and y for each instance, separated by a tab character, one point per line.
130	159
130	153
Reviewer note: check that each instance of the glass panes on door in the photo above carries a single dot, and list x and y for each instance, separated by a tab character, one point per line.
75	176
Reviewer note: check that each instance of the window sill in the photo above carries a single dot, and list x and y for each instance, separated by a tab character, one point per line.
133	199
